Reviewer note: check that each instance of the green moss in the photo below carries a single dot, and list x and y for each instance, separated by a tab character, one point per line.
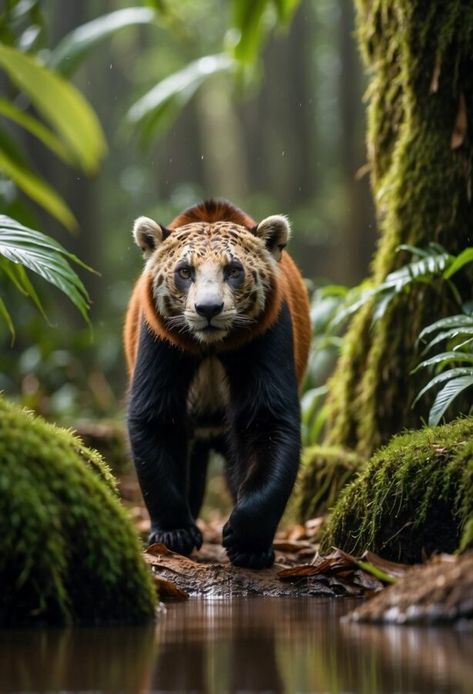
418	55
69	552
324	472
414	496
109	439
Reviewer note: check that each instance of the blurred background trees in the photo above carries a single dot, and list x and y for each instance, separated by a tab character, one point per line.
278	126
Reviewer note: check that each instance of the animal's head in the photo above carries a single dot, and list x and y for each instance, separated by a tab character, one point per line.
211	278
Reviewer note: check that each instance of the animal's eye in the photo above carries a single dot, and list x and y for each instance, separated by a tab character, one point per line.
234	272
185	273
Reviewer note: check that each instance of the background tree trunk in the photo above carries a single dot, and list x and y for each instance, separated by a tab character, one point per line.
421	91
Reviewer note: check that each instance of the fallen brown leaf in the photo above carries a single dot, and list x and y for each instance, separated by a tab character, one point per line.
168	590
291	546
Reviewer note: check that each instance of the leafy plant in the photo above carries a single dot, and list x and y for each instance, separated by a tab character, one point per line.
334	305
428	264
327	304
20	248
251	23
71	129
64	122
453	368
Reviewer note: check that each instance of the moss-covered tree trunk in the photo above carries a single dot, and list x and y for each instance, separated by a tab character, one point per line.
420	119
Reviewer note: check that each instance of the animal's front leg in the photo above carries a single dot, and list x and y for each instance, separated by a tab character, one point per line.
265	442
269	462
160	454
158	437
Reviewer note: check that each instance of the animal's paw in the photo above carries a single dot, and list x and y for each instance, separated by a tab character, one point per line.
241	554
180	540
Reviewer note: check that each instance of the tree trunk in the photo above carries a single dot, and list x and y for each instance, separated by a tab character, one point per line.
421	99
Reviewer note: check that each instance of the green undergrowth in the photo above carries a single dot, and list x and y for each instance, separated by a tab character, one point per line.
325	470
68	551
420	95
413	498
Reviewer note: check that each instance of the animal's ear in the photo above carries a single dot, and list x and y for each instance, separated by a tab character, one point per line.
148	234
275	232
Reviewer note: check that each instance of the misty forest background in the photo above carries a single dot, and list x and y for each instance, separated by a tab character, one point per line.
284	133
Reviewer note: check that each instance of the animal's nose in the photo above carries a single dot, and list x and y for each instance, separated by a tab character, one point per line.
208	310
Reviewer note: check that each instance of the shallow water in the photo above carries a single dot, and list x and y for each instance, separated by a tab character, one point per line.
242	645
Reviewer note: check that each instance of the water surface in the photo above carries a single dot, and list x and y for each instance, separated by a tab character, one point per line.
242	645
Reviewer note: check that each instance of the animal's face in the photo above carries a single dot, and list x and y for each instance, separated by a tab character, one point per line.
211	278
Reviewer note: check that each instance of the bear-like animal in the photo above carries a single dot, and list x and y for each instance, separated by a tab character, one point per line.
217	337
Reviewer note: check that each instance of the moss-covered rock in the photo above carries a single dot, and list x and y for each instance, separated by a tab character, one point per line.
109	439
68	551
412	498
325	470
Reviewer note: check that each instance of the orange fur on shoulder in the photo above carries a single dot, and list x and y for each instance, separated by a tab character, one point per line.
288	286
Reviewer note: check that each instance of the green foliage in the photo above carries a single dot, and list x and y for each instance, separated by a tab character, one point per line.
324	472
452	369
432	266
61	104
250	25
413	497
417	55
251	21
22	248
328	303
428	265
77	45
165	100
69	553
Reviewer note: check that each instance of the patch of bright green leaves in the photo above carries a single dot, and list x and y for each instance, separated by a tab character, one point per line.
22	248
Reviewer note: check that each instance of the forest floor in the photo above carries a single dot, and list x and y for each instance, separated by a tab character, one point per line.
439	591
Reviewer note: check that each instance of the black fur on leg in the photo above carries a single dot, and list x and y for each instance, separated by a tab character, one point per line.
158	431
264	441
198	463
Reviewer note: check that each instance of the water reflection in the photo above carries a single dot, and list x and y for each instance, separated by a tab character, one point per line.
250	645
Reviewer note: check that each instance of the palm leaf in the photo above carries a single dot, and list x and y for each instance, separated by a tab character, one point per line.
36	128
448	335
440	378
447	395
161	102
76	45
445	358
44	256
60	103
459	321
36	189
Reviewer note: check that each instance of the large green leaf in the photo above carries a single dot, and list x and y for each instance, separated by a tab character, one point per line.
465	258
176	90
76	45
285	9
447	395
44	256
445	358
36	128
37	190
248	21
444	376
460	320
448	335
60	103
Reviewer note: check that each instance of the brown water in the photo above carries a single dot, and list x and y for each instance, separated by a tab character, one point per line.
242	645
